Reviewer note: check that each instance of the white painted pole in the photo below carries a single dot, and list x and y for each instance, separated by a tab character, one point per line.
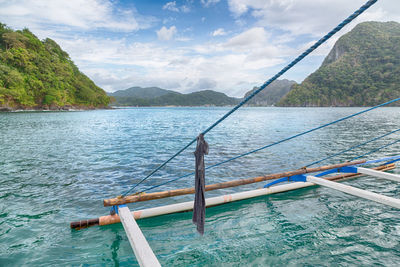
213	201
384	175
143	252
356	191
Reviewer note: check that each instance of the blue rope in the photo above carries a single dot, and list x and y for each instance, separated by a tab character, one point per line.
393	161
278	142
375	150
388	159
280	73
351	148
159	167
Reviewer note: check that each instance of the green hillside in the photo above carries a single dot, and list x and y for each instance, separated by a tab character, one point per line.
137	96
362	69
272	94
40	75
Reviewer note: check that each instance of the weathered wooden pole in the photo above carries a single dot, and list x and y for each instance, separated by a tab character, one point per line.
186	191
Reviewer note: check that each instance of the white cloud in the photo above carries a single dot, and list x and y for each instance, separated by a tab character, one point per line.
171	6
232	66
208	3
125	64
296	22
238	7
165	34
250	41
90	51
78	14
250	38
309	16
219	32
185	9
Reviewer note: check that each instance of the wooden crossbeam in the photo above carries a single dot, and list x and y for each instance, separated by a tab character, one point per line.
394	202
143	252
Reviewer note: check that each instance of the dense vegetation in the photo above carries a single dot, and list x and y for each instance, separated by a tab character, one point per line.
39	74
272	94
153	96
362	69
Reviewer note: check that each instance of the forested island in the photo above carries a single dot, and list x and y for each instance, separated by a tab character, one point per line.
362	69
37	74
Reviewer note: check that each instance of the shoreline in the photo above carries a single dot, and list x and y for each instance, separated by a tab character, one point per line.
171	106
76	109
52	109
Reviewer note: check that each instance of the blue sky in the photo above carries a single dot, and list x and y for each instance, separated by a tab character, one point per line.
224	45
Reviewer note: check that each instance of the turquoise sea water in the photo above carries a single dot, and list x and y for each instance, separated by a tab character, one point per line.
56	167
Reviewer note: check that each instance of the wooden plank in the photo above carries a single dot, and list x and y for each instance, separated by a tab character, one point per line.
393	202
144	254
384	175
186	191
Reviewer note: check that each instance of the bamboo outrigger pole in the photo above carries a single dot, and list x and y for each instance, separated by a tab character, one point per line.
186	191
187	206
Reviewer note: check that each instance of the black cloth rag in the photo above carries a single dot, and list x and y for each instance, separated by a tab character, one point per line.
199	207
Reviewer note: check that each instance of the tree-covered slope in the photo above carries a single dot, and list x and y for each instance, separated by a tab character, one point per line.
362	69
272	94
39	74
137	96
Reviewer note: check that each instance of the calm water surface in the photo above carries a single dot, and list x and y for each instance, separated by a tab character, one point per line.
56	167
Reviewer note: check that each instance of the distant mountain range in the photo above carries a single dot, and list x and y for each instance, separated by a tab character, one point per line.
362	69
154	96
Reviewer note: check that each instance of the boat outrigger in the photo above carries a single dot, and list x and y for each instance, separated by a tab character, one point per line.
345	171
293	180
327	175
